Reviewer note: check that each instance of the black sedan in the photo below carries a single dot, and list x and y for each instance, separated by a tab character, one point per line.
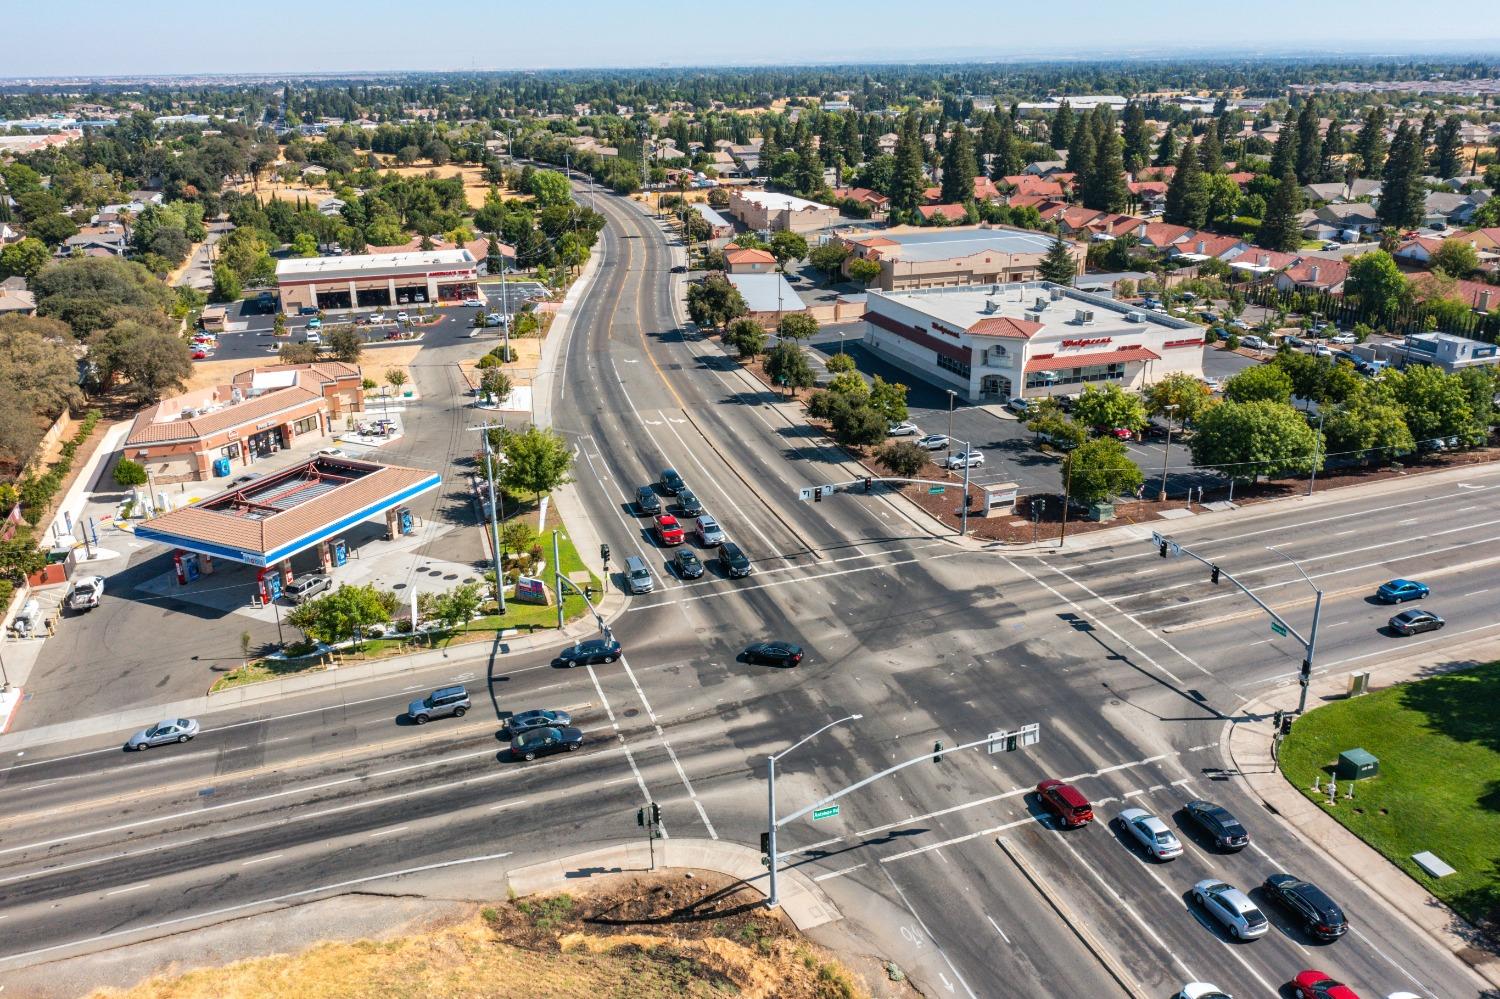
595	650
671	482
541	741
647	503
525	721
1414	622
689	565
775	653
1218	823
688	504
1318	914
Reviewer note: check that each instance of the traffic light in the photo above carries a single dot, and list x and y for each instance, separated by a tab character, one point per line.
604	553
640	817
765	846
1214	577
655	814
817	494
1286	723
1276	720
1163	549
867	483
937	751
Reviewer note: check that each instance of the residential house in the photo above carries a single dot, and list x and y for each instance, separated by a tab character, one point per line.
780	212
1206	246
1475	294
96	241
1025	184
768	296
719	228
1108	225
1255	262
15	299
10	234
330	206
313	172
1447	208
1045	168
877	204
1314	274
1418	250
1151	195
1161	235
1348	220
742	260
953	213
1332	190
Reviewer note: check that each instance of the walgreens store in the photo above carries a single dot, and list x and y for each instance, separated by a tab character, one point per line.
377	281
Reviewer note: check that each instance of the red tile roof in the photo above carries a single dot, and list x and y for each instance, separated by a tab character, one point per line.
748	255
863	195
1207	244
1331	273
1276	260
955	213
1125	355
1241	177
1020	329
1163	234
1468	292
1148	187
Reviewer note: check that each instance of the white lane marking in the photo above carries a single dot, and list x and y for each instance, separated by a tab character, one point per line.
997	927
925	930
1475	593
522	801
262	860
681	773
958	839
838	874
273	900
692	454
629	756
388	832
121	891
632	531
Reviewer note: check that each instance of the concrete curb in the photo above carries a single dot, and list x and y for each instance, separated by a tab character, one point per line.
804	903
1080	929
1246	744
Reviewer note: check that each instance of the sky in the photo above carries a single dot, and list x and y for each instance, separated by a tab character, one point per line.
162	37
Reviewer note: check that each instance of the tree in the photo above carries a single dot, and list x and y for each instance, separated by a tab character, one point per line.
305	245
959	167
1368	430
1136	136
1245	440
19	558
1109	408
1262	383
1058	266
1280	230
797	326
786	365
859	424
1166	149
130	473
1402	193
1455	258
888	399
849	385
1284	156
1377	284
1309	143
296	353
909	181
903	458
1060	134
1104	188
1436	403
549	188
714	301
395	378
38	375
345	344
341	614
90	293
864	271
1005	160
154	363
1187	201
458	606
747	337
1211	152
23	258
536	461
495	384
1369	144
1099	470
1447	156
838	364
1179	396
788	246
227	286
829	258
1051	423
1223	197
1080	159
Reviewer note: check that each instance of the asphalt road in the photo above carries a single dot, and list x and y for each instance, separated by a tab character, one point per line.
1131	665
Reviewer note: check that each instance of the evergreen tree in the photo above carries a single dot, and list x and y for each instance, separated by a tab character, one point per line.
1402	194
1187	200
1081	151
989	135
1447	157
1280	229
1105	189
1136	138
1284	156
1166	150
1211	152
1058	266
1369	145
909	181
1006	161
959	168
1309	143
1061	134
1429	130
809	176
1331	167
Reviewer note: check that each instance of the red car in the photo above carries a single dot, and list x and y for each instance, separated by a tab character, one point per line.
669	530
1066	802
1317	985
199	353
1118	433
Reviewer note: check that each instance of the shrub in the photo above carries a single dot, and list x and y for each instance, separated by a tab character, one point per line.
1232	341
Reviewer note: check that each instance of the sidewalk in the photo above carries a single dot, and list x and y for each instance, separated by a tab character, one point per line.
1247	744
802	900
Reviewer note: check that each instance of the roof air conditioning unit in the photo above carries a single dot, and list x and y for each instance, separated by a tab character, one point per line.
1057	294
1084	317
991	306
1041	305
1034	316
1134	317
994	289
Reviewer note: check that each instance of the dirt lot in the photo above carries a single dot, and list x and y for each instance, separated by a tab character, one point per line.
687	934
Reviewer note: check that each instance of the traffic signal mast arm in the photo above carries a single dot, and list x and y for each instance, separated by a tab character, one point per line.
1222	574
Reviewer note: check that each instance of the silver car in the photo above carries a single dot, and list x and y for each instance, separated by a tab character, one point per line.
163	732
710	534
304	588
441	703
1152	833
1231	908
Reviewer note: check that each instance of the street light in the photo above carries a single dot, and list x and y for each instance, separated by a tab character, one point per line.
1305	677
772	900
952	395
1162	496
1317	451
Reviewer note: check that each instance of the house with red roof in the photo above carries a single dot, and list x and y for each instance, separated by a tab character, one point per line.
743	260
1204	245
1474	294
1417	250
1162	235
877	204
953	213
1024	184
1314	274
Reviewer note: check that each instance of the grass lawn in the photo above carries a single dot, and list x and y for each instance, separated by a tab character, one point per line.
1438	742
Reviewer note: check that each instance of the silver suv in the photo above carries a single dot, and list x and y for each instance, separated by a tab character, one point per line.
1232	908
304	588
440	703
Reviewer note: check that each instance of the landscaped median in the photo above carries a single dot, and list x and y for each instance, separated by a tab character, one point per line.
1438	745
458	617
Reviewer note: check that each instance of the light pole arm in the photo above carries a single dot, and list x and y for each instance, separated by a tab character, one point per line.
814	735
874	777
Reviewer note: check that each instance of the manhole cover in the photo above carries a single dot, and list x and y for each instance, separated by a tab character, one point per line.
451	575
631	712
398	586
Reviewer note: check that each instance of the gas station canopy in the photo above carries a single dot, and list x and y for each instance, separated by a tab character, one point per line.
272	518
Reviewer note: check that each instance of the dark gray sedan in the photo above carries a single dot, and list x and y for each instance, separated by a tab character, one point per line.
525	721
541	741
163	732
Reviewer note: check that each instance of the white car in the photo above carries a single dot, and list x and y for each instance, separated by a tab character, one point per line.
1331	245
313	336
965	459
1322	350
1239	324
933	442
1345	338
1231	908
377	317
1253	342
1202	990
329	452
1152	833
1213	383
905	428
400	317
472	303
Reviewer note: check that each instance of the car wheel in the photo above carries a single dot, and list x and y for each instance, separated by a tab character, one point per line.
421	719
143	747
459	712
529	756
183	738
610	658
574	746
571	663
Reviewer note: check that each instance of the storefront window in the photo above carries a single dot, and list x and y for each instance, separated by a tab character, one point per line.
1074	376
232	451
305	426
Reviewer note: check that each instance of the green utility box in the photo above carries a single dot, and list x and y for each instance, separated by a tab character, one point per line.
1356	764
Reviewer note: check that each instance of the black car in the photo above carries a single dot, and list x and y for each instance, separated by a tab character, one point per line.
679	269
1318	914
671	482
595	650
775	653
1414	622
733	561
647	503
688	504
541	741
525	721
1218	823
689	566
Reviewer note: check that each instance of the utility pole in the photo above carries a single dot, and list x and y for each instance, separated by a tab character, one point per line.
1161	497
489	472
1317	454
1067	491
963	530
557	580
772	898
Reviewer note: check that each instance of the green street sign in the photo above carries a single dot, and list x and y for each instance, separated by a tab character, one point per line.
1279	628
826	812
935	490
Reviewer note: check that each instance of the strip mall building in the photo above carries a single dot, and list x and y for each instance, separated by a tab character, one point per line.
379	280
991	343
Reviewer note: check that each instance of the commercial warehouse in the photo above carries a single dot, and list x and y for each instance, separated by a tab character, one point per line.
941	258
1031	340
377	280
